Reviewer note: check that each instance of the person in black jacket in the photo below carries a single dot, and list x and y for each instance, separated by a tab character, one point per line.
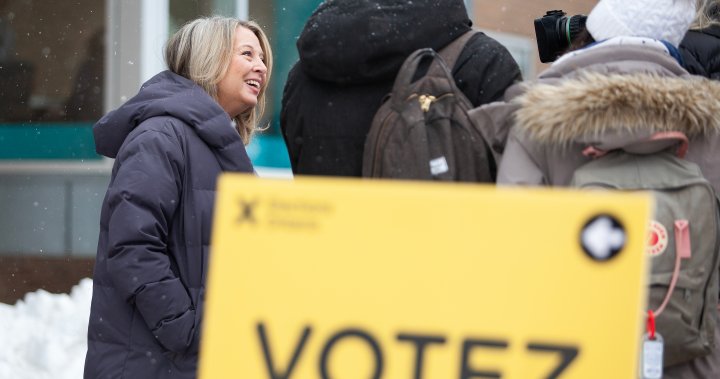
170	142
350	52
701	46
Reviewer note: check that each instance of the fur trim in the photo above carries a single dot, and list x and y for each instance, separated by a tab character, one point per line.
594	104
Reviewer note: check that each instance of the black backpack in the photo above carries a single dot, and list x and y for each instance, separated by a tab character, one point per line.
422	130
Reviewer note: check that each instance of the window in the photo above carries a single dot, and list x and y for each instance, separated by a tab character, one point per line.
51	78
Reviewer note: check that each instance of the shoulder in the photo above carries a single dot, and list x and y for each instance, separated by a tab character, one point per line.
701	51
484	69
162	124
482	50
698	39
485	48
157	135
480	41
696	42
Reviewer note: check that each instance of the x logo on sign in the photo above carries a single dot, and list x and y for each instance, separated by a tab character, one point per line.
247	209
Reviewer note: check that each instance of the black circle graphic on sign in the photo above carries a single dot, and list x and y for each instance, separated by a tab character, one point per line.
603	237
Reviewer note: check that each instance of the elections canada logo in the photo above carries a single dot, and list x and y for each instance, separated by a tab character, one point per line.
247	211
657	239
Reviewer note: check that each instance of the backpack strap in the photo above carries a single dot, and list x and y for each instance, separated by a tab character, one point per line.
683	250
401	88
451	52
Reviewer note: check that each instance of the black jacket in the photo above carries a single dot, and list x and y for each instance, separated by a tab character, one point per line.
170	142
350	52
701	52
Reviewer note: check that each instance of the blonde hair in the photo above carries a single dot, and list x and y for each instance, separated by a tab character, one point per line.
707	14
202	50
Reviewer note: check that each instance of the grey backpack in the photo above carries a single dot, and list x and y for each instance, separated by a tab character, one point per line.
683	243
422	130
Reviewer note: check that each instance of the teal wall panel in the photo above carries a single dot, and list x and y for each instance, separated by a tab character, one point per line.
268	151
290	18
75	142
47	141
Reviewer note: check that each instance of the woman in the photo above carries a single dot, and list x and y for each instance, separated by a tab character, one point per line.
701	45
170	142
350	52
625	84
634	57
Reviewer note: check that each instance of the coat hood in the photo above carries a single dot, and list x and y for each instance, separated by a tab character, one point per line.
612	111
167	94
616	98
361	41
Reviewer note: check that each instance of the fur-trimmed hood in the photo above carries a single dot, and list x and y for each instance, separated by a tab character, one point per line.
616	94
610	111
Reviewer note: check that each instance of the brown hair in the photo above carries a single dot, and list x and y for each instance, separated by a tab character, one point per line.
201	51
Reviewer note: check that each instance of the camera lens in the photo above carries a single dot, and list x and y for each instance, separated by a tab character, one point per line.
568	28
554	33
575	25
563	33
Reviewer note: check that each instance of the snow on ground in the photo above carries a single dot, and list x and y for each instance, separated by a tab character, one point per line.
43	336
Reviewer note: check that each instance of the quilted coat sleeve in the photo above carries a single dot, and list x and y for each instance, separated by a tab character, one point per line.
485	69
143	198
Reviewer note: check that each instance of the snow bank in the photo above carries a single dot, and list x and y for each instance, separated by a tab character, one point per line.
44	335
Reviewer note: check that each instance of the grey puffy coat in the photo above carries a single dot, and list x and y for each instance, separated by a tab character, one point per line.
170	143
608	96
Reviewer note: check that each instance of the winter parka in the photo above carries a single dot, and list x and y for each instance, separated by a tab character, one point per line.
350	52
170	142
701	52
612	95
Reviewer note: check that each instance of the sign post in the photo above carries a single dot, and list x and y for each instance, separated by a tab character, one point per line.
323	278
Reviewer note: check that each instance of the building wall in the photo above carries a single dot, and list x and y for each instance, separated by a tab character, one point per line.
51	215
51	186
515	17
51	181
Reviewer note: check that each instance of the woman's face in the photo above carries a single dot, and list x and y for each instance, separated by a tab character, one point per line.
238	90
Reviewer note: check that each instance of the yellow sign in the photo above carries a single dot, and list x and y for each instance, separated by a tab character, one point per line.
348	279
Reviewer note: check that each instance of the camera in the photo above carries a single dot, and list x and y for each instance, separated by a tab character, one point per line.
555	31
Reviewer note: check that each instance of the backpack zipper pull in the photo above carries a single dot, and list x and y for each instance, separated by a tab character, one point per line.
425	101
